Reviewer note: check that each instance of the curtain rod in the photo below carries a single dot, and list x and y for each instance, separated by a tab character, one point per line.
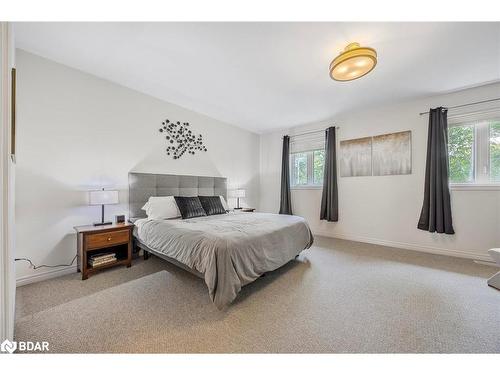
465	105
311	132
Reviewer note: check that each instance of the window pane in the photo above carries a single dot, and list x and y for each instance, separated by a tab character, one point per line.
495	151
318	164
461	151
299	166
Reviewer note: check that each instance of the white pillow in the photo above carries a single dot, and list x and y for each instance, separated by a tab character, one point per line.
224	203
161	208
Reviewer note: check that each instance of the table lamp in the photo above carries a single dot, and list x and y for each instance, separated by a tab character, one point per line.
102	197
238	193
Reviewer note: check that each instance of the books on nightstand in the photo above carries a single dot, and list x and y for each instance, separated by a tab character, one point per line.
102	259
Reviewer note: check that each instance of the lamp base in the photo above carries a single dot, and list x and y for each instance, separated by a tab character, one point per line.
106	223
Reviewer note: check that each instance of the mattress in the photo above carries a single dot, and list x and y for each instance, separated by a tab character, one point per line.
229	250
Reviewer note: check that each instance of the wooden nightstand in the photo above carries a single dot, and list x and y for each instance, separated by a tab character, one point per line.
99	240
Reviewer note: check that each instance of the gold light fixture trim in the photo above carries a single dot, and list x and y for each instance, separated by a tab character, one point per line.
353	63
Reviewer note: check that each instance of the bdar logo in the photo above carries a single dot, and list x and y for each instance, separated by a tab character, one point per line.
8	346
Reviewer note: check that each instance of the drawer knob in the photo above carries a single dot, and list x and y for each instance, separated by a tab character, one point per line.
109	238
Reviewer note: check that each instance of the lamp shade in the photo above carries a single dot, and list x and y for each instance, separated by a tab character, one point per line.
354	62
99	197
238	193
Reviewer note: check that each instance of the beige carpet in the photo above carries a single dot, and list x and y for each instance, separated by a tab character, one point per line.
339	296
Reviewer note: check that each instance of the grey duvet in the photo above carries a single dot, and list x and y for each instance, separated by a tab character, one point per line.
229	250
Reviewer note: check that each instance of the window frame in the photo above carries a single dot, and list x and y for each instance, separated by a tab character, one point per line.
481	162
310	171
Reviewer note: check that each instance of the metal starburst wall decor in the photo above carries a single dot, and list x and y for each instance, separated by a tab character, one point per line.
181	139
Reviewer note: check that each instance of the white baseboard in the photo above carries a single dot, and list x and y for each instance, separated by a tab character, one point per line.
25	280
408	246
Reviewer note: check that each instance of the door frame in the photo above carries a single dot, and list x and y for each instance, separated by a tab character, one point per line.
7	270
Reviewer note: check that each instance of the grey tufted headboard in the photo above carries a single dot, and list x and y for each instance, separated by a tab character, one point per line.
144	185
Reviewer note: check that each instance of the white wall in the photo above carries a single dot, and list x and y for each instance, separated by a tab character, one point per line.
77	132
386	209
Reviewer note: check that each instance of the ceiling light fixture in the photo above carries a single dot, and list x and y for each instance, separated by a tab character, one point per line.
354	62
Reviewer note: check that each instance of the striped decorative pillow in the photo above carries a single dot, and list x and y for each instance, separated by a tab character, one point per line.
212	205
190	207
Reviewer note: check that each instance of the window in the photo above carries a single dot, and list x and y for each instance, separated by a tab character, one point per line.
495	151
461	153
474	152
307	159
306	168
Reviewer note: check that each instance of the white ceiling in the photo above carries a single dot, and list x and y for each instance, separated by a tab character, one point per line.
265	76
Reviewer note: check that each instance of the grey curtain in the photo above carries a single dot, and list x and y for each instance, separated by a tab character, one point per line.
285	201
329	199
436	210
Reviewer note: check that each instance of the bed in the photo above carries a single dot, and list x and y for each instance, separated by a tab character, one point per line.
227	251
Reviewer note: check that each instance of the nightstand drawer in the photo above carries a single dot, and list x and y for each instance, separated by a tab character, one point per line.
100	240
